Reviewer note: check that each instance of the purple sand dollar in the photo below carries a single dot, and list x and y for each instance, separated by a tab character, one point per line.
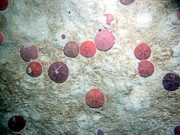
171	81
58	72
126	2
16	123
177	130
100	132
71	49
29	53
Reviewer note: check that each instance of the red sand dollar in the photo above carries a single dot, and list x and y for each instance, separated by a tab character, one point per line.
104	40
126	2
3	4
87	49
142	51
95	98
71	49
58	72
29	53
1	37
34	69
145	68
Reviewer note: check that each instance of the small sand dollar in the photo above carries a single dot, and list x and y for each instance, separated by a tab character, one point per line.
71	49
95	98
145	68
29	53
58	72
109	18
104	40
34	69
88	49
126	2
171	81
142	51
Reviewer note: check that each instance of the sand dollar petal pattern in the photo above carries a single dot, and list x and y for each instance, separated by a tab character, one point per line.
104	40
95	98
88	49
142	51
58	72
145	68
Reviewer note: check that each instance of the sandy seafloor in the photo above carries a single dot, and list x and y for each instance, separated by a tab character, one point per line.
134	105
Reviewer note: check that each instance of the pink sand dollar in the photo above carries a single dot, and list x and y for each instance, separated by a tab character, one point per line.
126	2
104	40
1	37
95	98
142	51
109	18
29	53
145	68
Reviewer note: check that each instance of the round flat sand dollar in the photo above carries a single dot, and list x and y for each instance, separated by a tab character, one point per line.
34	69
58	72
71	49
95	98
145	68
104	40
16	123
29	53
3	4
142	51
88	49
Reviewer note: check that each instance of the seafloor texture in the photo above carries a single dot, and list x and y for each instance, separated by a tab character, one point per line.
134	105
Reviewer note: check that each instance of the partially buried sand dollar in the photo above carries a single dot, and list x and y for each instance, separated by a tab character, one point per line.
3	4
126	2
71	49
34	69
1	38
29	53
95	98
171	81
58	72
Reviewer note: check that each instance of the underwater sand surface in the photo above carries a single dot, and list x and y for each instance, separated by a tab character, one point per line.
133	105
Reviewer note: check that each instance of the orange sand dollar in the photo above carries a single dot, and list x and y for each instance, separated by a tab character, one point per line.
88	49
